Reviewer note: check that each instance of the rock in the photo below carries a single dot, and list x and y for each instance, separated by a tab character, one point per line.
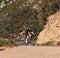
51	31
2	48
2	5
7	0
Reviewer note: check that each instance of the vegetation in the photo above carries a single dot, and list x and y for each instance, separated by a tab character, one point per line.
20	19
50	43
26	17
0	0
47	8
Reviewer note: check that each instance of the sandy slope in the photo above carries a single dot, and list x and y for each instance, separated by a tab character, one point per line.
31	52
51	31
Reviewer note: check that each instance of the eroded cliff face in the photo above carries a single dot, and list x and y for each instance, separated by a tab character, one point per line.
51	31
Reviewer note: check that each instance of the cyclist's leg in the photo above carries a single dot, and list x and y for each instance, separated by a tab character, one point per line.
31	37
26	40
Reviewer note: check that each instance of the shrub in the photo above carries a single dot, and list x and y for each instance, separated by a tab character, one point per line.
20	19
47	43
4	42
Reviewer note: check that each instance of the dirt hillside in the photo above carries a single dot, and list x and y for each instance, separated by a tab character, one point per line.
51	31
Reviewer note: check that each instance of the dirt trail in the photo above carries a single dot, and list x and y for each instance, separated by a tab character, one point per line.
31	52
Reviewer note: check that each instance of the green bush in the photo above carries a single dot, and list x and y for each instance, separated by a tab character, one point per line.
20	19
4	42
49	7
47	43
